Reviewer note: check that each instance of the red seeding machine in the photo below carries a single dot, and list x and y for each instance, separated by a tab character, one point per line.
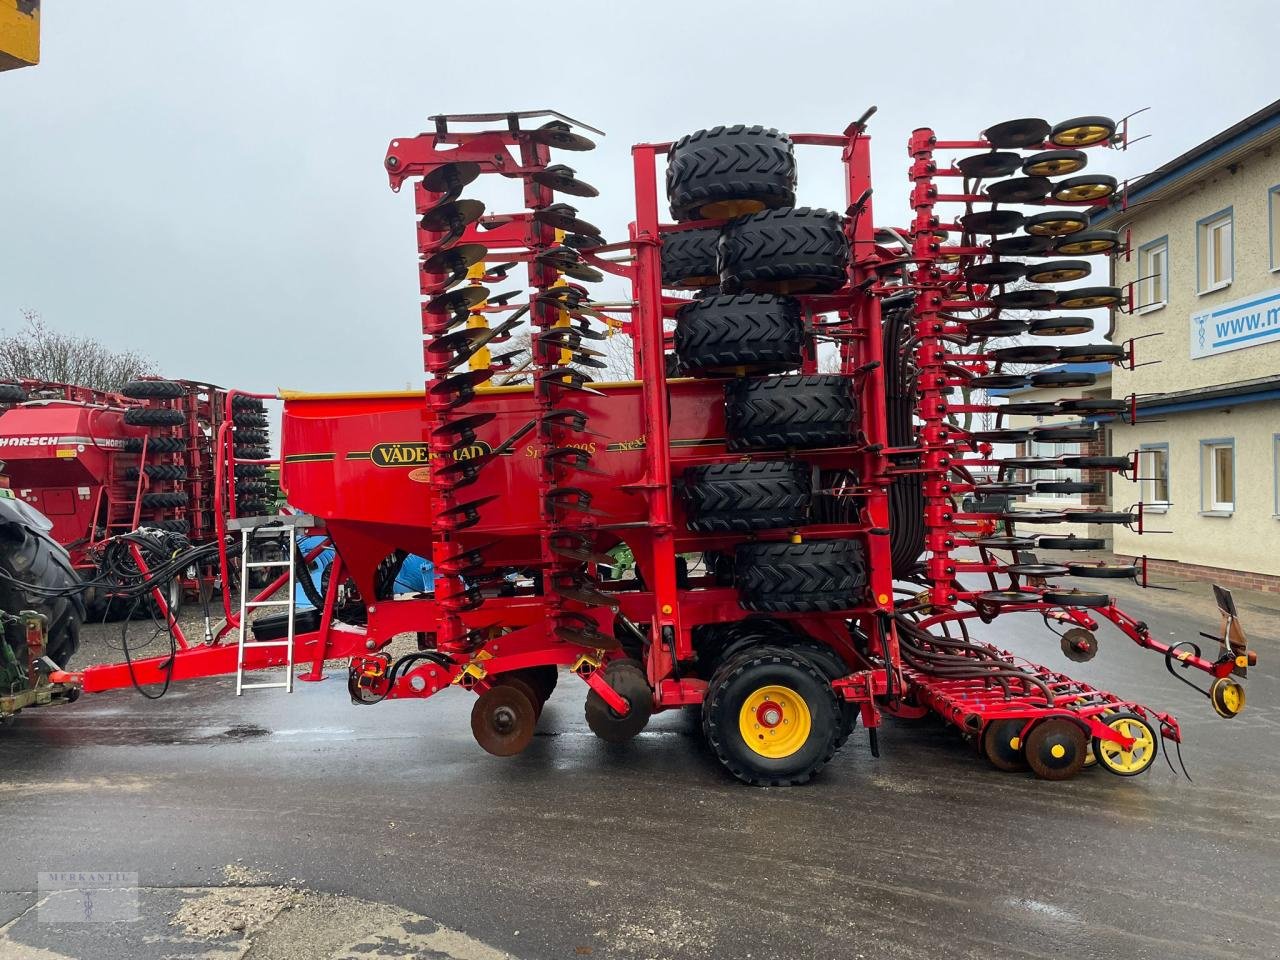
785	469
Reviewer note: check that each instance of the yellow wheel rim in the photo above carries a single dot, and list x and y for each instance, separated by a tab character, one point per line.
1084	303
1227	696
1082	136
1052	168
1086	246
1086	191
721	209
1056	228
1140	755
775	721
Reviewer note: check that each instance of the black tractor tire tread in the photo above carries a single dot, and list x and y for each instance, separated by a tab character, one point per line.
690	258
757	332
12	393
820	576
251	452
154	417
792	249
244	470
776	413
242	402
741	497
153	389
719	730
254	436
156	445
730	163
250	421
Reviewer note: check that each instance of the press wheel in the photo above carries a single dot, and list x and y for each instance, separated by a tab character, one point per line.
1138	758
628	679
1227	696
1018	134
1056	749
1082	131
1055	163
502	720
1001	743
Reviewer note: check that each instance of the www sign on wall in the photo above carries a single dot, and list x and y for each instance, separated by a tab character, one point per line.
1234	326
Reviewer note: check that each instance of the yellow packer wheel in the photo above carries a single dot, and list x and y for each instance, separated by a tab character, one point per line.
1140	755
1227	696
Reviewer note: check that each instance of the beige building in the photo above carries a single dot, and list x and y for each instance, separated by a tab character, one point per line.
1204	268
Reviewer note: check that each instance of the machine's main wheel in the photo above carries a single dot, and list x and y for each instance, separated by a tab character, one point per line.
729	172
773	413
832	667
784	251
1141	754
502	720
748	332
771	717
742	497
1001	743
815	577
628	679
1056	749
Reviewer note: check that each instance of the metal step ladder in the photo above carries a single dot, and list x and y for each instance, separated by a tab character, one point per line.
256	530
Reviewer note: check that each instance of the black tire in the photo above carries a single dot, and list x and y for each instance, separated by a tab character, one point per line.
246	403
161	500
1056	223
243	470
1090	298
1101	516
820	576
1082	131
1075	598
12	393
832	667
730	171
690	258
1094	353
1066	378
154	417
157	471
1065	434
1096	463
1087	243
792	250
251	488
628	679
747	496
244	435
252	508
174	526
153	389
1066	486
251	453
756	332
728	695
774	413
252	421
542	679
1060	326
1055	163
156	445
1070	543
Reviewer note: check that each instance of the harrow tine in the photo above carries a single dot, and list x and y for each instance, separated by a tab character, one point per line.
466	562
567	378
578	549
466	514
575	587
570	419
449	179
563	179
458	388
471	598
564	217
463	426
452	220
455	262
557	133
573	498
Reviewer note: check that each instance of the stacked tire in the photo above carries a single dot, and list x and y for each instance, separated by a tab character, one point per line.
164	502
249	426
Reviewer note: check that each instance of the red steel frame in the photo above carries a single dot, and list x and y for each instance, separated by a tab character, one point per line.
520	630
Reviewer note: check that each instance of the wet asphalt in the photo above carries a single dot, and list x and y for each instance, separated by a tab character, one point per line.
577	848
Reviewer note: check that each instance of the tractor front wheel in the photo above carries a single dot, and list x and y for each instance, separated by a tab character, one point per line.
771	717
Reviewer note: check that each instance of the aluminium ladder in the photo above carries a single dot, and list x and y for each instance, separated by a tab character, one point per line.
255	530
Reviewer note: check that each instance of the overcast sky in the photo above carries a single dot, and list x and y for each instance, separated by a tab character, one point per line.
203	182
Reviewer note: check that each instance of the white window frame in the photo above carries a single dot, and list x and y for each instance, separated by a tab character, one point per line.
1146	470
1213	503
1153	288
1211	276
1273	230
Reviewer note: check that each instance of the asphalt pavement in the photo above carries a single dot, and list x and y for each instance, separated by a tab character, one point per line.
300	826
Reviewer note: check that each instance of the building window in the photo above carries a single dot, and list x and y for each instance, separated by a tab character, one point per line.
1218	476
1273	225
1153	274
1153	468
1275	475
1214	252
1060	474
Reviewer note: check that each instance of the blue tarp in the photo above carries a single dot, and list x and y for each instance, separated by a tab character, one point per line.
416	575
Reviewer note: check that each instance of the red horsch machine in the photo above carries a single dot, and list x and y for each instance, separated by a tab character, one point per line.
801	561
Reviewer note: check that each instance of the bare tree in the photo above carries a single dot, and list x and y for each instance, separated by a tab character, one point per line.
38	352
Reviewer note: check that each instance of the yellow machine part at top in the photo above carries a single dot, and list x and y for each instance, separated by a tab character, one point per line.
19	33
